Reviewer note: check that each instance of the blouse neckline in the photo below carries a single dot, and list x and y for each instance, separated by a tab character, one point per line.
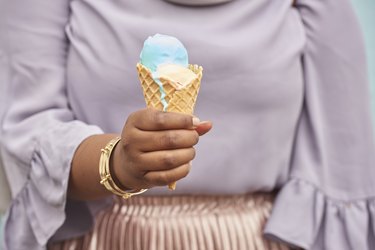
198	3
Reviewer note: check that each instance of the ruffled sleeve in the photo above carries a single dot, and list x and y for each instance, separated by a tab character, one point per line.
328	202
39	131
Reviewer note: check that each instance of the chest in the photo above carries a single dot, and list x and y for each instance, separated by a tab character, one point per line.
248	58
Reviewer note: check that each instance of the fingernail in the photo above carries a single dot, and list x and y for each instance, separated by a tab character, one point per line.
196	121
203	122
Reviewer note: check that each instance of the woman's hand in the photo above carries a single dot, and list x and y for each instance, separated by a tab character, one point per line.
156	148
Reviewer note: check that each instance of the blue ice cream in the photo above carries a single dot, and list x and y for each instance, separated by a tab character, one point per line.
166	56
162	49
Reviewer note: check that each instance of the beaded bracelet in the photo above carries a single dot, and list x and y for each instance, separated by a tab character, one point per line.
105	174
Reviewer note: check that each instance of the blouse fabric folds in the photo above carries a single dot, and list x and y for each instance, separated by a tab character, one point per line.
286	88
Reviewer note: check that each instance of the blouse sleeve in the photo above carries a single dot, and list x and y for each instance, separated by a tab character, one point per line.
39	131
328	202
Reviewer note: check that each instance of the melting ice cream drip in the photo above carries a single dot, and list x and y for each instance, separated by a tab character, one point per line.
162	91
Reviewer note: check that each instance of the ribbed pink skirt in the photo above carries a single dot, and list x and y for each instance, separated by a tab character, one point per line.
180	222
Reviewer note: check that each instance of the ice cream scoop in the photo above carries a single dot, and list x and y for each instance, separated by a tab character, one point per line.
176	74
162	49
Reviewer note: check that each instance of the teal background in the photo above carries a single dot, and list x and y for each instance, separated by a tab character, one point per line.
366	13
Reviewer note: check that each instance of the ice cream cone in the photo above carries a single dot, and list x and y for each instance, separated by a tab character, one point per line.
179	100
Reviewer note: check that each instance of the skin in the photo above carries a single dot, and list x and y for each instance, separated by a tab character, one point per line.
156	149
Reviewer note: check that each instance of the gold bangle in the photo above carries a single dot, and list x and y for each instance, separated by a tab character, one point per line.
105	174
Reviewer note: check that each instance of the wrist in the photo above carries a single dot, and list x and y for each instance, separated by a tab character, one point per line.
118	171
106	178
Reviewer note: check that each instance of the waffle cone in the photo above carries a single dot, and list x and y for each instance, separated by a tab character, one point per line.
179	100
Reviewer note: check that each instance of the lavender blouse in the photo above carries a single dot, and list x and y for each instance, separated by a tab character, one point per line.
286	88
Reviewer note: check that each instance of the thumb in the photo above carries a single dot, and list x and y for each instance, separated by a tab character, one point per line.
203	127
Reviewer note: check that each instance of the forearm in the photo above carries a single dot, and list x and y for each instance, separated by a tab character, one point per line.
84	181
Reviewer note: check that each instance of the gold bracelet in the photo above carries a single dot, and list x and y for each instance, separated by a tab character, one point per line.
105	174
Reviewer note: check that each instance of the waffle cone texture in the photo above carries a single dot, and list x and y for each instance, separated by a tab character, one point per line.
179	100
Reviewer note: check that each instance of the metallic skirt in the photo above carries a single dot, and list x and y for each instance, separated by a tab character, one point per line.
180	222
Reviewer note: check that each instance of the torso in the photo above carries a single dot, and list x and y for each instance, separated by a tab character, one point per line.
252	86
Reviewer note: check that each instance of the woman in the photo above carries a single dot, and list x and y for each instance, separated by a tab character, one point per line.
284	85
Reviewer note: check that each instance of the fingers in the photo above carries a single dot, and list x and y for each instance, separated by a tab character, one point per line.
156	147
147	141
154	120
165	160
163	178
